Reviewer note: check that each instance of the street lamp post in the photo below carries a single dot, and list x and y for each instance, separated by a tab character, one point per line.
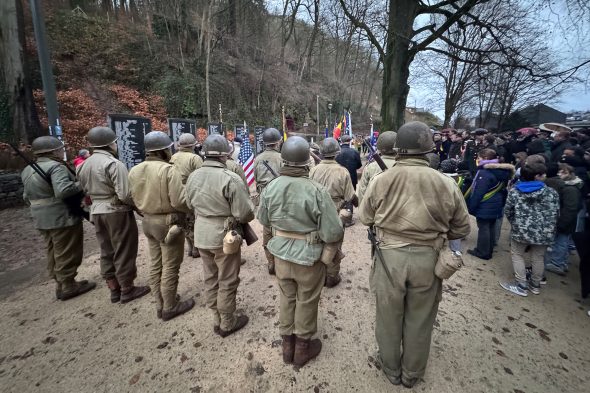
330	117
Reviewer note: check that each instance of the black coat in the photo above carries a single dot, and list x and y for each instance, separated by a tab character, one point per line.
557	150
351	160
569	204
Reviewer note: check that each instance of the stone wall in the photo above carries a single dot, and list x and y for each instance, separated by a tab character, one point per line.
11	189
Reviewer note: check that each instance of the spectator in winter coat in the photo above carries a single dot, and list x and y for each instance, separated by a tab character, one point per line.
531	209
83	154
575	158
561	142
350	159
456	146
486	198
569	189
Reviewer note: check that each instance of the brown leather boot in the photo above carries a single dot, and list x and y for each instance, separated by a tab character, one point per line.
132	293
179	309
76	288
58	290
331	282
241	321
159	310
305	350
115	288
288	348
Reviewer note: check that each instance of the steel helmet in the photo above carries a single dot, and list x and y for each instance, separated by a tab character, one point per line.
187	140
386	142
271	136
414	138
295	152
156	140
101	137
330	147
216	146
46	144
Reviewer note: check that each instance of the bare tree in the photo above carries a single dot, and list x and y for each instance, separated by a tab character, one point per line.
22	122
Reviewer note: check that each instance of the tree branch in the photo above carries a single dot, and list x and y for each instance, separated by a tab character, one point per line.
362	25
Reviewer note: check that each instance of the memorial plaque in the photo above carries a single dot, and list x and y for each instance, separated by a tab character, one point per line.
180	126
239	131
258	131
215	128
130	130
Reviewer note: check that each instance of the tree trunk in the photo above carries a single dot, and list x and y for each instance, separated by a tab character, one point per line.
22	122
207	62
396	63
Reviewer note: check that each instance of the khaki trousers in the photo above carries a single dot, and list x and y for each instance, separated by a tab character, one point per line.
189	230
334	269
165	260
300	288
266	236
118	239
405	311
222	277
65	248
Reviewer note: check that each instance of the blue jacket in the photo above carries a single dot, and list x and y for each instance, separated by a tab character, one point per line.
488	177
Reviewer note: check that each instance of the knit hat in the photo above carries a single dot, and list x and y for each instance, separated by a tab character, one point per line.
448	166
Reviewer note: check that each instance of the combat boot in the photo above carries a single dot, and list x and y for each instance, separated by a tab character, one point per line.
196	253
72	288
271	269
57	290
305	350
331	282
115	288
159	310
132	293
288	348
241	321
179	309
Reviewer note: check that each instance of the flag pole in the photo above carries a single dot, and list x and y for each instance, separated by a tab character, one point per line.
284	124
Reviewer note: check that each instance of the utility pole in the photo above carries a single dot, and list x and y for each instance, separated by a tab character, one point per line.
46	71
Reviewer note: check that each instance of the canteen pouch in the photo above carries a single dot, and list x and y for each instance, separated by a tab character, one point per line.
446	267
173	233
231	243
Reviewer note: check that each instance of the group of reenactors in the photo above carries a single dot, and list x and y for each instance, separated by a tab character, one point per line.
300	201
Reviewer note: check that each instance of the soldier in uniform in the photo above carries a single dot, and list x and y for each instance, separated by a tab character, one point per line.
185	161
157	190
305	224
412	208
336	179
105	179
272	139
221	203
61	230
385	146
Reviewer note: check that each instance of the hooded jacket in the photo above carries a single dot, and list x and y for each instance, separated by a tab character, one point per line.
532	209
488	177
569	202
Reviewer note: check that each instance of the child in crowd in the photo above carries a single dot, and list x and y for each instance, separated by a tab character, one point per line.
486	198
532	209
569	187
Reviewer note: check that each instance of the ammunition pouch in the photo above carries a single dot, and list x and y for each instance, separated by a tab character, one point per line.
445	267
231	242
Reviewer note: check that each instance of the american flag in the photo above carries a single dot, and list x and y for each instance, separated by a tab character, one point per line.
246	156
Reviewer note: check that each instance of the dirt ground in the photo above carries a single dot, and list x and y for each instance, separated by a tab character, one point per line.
485	340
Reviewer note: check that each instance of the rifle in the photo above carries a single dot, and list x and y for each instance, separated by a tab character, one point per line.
375	156
315	157
73	202
376	250
269	168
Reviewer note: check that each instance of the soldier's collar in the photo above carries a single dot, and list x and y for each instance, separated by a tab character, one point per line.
214	163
